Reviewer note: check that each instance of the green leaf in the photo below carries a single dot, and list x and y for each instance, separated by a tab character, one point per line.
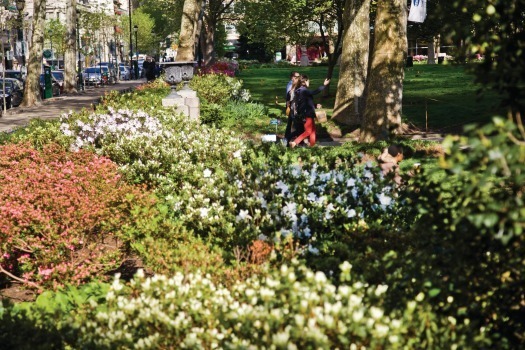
434	292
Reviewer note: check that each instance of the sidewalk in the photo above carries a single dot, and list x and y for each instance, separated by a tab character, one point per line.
56	106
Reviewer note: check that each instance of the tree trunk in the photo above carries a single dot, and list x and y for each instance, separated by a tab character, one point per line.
354	63
32	85
70	76
431	56
382	116
208	42
190	17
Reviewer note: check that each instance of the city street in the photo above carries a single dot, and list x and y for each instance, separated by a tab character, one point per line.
54	107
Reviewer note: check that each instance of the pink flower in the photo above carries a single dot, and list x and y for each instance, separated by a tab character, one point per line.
45	272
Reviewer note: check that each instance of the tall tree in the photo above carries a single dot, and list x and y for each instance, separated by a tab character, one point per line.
147	40
188	30
32	84
330	19
215	13
349	102
385	82
274	22
70	66
166	15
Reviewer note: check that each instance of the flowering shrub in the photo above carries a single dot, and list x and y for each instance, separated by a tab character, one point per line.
229	68
233	194
291	308
419	58
219	88
164	151
145	97
59	213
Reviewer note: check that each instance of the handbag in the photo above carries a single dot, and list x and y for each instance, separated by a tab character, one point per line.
320	116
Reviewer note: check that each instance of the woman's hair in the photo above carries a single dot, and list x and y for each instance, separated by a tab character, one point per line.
303	80
296	84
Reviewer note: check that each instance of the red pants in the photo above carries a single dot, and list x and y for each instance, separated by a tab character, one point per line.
309	131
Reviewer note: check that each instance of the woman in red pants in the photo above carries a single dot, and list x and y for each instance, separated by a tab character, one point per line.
306	109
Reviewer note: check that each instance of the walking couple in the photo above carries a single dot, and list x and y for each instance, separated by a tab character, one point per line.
300	109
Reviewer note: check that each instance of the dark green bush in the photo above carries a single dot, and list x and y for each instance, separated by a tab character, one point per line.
468	245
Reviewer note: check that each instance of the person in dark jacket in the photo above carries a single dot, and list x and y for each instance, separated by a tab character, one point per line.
291	127
305	109
149	68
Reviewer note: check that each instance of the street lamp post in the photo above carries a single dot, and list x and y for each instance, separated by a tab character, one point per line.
136	30
51	41
130	40
20	4
80	78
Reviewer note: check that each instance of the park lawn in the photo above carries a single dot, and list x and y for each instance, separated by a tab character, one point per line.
448	96
445	93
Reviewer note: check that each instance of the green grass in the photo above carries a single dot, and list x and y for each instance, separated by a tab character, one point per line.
445	94
449	97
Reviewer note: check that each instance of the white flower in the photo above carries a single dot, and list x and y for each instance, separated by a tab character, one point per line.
350	182
282	186
204	212
207	173
376	313
381	289
328	211
307	232
345	267
311	197
367	174
384	200
313	250
350	213
382	330
243	215
289	210
237	154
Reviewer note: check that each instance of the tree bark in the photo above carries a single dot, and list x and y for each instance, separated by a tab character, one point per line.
354	63
431	54
32	85
208	43
382	116
189	25
70	76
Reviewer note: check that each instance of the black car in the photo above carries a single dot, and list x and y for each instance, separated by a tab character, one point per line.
14	88
16	74
7	99
55	85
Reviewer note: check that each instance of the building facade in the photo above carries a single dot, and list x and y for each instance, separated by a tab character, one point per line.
95	44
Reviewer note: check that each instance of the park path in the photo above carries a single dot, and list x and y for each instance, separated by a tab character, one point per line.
56	106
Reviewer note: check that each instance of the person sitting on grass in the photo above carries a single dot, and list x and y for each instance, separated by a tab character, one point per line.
389	161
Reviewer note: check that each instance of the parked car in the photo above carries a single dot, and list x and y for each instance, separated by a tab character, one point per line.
16	74
125	73
92	76
108	76
7	98
55	86
58	75
14	88
112	70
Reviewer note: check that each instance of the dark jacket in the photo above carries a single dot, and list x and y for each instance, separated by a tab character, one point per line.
305	101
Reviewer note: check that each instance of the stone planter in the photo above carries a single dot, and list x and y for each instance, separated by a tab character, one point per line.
185	100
